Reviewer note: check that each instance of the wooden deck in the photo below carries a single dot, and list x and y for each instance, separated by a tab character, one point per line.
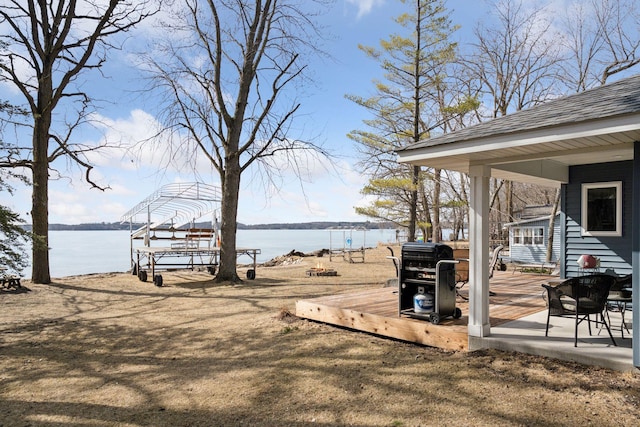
376	311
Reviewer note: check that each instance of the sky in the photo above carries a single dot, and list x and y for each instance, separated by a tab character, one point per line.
327	194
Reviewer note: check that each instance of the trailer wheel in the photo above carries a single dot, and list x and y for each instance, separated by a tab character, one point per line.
157	280
142	275
434	318
457	313
251	274
211	270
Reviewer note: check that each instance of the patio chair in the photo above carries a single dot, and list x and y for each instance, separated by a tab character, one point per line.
462	268
618	300
494	259
622	285
579	298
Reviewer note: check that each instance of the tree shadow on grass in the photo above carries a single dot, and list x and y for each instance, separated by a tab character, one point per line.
120	362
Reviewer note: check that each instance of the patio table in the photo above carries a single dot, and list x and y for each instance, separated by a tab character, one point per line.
617	302
8	281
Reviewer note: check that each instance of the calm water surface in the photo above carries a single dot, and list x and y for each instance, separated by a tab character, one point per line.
86	252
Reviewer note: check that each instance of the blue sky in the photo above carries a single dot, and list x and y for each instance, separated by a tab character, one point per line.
329	195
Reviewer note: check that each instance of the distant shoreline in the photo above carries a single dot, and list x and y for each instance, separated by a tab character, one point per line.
317	225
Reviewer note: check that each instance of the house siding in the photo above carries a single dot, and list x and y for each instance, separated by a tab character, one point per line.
536	253
614	252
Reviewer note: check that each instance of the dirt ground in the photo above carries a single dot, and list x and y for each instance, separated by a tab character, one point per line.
109	350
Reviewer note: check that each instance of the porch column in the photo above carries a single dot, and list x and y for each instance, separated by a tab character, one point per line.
635	254
479	252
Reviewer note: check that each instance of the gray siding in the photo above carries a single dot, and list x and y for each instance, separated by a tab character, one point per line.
536	253
614	252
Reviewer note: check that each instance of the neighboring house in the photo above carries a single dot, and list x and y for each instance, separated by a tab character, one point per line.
529	236
588	144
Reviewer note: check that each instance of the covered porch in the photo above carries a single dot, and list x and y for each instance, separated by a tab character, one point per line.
517	315
587	139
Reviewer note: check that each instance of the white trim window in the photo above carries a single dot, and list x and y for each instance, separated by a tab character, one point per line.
602	209
528	236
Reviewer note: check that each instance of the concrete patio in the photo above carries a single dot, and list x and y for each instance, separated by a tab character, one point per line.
526	335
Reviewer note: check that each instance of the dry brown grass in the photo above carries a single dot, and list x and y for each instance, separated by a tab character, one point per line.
108	350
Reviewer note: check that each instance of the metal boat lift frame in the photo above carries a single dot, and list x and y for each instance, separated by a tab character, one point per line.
167	211
346	250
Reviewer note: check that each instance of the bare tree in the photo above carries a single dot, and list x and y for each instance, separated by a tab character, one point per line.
620	20
229	74
49	44
602	38
515	63
516	60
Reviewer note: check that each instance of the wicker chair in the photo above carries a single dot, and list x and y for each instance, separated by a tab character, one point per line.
619	299
621	285
579	298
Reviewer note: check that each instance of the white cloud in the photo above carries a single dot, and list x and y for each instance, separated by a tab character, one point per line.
365	6
124	137
77	203
330	196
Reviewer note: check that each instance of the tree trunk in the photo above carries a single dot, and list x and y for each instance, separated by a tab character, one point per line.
552	222
465	210
436	236
413	204
40	198
426	223
509	191
229	222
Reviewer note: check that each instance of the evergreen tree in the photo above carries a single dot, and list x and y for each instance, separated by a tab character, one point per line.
13	236
411	103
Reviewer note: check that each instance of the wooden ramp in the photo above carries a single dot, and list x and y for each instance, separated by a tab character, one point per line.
375	311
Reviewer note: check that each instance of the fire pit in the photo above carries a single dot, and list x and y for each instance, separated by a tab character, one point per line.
319	270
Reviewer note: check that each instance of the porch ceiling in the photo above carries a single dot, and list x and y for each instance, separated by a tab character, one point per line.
540	156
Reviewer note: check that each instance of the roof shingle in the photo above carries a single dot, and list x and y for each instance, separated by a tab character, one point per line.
615	99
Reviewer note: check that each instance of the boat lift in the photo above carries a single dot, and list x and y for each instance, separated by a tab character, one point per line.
170	236
344	246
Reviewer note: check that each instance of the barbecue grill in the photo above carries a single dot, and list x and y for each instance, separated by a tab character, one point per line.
427	284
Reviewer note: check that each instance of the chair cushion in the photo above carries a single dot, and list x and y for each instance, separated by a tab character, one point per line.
622	293
568	303
586	304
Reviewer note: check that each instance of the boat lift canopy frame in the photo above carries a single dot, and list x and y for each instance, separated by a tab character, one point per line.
168	210
178	203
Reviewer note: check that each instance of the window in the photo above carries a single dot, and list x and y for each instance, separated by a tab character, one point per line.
529	236
602	209
538	236
517	236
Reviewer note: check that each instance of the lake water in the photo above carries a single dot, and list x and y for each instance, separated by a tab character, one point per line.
86	252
